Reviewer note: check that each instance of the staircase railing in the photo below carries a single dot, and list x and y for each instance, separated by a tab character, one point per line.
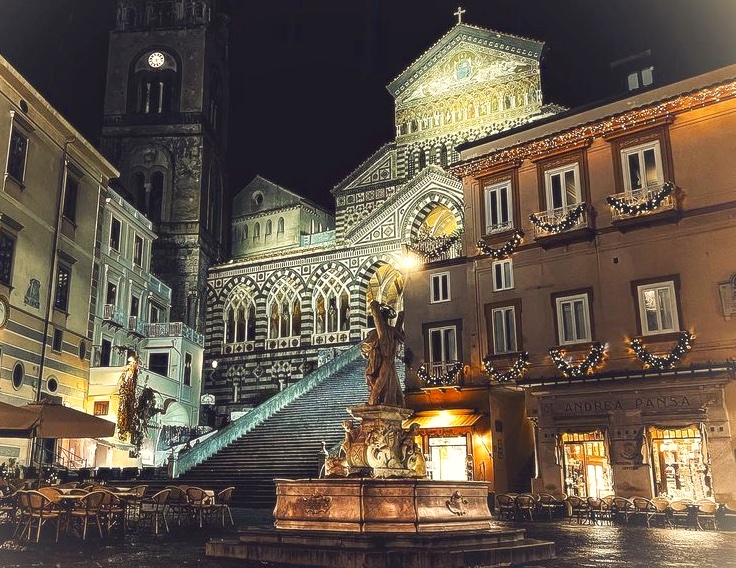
241	426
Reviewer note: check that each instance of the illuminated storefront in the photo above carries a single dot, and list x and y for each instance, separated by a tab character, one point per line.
680	463
586	464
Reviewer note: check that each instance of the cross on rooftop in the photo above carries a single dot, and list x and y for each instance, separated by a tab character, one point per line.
459	14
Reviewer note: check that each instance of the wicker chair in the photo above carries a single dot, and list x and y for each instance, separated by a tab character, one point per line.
222	504
577	509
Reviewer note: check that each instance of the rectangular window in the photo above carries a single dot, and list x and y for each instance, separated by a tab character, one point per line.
115	234
642	167
17	155
138	251
499	216
187	369
159	363
658	308
7	252
504	329
562	187
154	313
101	408
503	275
442	349
63	281
105	353
58	341
134	305
573	319
440	287
71	191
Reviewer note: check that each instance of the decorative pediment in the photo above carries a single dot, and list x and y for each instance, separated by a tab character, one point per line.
380	171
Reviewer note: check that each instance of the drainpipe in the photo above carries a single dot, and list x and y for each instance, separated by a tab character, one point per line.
53	262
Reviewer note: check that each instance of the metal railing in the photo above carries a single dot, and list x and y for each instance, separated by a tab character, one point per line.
637	199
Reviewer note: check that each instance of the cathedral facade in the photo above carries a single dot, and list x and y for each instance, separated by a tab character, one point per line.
297	288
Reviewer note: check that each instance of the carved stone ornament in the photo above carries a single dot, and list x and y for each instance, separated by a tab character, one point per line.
727	292
316	503
457	504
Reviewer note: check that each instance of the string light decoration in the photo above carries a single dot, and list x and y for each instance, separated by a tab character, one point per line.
506	250
615	124
127	396
663	362
446	380
570	219
587	366
647	206
513	374
433	248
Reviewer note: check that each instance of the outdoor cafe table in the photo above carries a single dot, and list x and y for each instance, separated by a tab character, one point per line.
69	500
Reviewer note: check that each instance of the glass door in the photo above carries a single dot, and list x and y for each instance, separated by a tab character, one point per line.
447	458
586	464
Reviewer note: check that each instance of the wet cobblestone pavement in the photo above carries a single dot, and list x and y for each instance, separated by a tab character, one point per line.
577	546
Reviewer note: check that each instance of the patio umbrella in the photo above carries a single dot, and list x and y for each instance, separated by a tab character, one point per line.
50	420
16	421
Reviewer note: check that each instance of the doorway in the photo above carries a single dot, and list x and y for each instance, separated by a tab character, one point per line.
586	464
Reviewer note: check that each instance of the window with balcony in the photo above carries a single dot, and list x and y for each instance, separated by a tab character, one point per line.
498	210
573	318
503	275
503	321
642	167
440	287
442	347
562	188
658	306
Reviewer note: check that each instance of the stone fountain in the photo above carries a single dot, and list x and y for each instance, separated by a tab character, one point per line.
375	507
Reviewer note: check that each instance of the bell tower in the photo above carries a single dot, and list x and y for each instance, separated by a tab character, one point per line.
165	129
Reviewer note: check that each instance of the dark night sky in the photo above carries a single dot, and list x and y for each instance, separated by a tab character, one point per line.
308	77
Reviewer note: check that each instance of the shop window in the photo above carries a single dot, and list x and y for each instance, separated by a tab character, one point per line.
440	287
586	464
447	458
680	463
657	307
503	275
573	319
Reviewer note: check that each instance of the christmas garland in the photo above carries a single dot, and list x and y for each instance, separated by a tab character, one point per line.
570	219
506	250
645	207
439	245
515	372
448	379
591	362
663	362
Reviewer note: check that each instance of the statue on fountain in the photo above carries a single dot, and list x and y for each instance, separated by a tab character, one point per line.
380	348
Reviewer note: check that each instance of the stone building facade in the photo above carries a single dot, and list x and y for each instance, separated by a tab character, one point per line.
278	308
604	297
165	127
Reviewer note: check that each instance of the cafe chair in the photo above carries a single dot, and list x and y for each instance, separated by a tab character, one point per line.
577	509
177	504
222	504
153	510
707	509
113	512
506	506
87	509
200	504
39	511
644	509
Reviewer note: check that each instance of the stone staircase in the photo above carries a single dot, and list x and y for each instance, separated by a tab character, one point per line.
284	441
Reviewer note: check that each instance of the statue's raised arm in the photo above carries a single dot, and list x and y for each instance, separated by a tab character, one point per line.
381	347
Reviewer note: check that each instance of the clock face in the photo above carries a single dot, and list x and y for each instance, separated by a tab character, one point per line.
4	311
156	59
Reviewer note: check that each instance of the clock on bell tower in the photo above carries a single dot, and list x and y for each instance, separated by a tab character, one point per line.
164	128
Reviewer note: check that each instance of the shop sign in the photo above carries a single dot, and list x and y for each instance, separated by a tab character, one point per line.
599	406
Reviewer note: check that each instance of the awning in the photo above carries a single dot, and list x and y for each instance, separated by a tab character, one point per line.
444	419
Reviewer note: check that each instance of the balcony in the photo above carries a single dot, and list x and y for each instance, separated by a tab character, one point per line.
563	225
644	207
113	315
434	249
440	374
136	326
173	329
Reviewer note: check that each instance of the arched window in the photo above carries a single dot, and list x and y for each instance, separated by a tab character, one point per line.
154	84
269	227
422	159
386	286
240	316
280	228
331	304
157	197
284	310
411	164
443	156
245	232
256	231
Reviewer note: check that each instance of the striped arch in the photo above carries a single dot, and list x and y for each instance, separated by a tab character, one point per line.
345	275
367	270
417	212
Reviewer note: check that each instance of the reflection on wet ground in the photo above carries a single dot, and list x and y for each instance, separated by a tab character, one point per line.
578	546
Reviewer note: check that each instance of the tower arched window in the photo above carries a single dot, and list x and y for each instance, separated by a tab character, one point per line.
245	232
256	231
422	159
269	227
284	310
156	198
154	84
240	316
331	304
280	227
